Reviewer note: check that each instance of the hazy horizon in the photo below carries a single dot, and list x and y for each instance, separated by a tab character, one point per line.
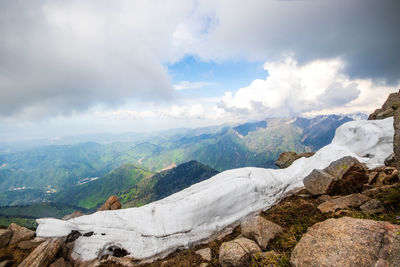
85	67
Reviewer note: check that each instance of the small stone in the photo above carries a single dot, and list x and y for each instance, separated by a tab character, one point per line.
237	252
5	236
372	206
353	201
19	233
205	253
204	264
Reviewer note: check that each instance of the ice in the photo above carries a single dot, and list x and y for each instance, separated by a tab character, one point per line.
206	208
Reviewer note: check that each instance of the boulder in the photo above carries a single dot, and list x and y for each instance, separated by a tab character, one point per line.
44	254
343	176
20	233
5	236
388	108
112	203
205	253
348	242
286	159
260	230
372	206
350	201
318	182
237	252
75	214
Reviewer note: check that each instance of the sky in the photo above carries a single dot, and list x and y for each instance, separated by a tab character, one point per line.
95	66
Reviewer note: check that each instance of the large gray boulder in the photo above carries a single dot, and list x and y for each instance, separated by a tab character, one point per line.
343	176
260	230
237	252
348	242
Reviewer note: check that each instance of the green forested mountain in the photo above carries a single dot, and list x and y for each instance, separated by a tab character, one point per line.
58	167
94	194
166	183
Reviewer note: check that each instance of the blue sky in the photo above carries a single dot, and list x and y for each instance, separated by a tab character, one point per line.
78	67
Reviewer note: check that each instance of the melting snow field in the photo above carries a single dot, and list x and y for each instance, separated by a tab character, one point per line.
206	208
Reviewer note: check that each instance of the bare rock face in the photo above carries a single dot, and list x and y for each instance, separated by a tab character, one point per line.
44	254
75	214
5	236
354	200
348	242
260	230
112	203
237	252
29	244
19	233
343	176
286	159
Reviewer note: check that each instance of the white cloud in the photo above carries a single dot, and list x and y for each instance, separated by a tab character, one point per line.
183	85
291	89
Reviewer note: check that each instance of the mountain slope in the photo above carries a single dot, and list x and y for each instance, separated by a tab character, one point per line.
209	206
93	194
166	183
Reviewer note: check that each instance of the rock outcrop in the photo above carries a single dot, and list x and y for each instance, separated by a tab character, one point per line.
237	252
391	109
348	242
343	176
388	108
20	233
260	230
112	203
286	159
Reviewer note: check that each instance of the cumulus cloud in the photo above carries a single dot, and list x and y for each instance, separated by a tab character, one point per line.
61	57
293	89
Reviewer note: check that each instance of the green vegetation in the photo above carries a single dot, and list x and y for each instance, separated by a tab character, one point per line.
93	194
166	183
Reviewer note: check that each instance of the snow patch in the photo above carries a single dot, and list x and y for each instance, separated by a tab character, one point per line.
206	208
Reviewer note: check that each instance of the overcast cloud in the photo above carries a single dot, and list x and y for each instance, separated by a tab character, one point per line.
62	57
